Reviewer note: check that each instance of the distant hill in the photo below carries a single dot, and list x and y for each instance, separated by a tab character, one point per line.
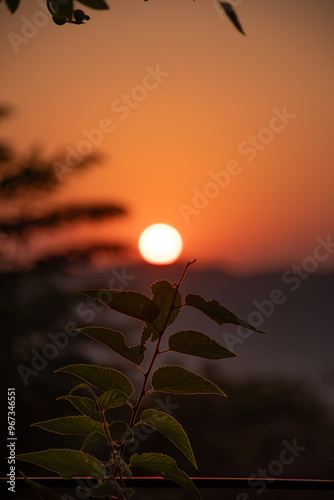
299	323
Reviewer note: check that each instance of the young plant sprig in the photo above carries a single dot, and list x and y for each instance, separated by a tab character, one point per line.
109	388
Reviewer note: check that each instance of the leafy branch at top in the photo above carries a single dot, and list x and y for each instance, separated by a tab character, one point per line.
63	11
107	389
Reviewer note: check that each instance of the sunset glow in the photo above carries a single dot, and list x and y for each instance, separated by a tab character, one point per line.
160	244
232	147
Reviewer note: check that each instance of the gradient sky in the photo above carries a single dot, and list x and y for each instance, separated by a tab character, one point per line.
256	110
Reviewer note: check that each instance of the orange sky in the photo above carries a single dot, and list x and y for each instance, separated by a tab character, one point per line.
182	98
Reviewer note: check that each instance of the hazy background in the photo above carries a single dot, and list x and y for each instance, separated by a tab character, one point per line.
221	89
215	104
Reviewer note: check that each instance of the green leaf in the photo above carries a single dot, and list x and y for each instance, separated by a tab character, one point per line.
230	12
95	4
67	463
108	487
171	428
12	5
84	386
179	380
133	304
42	491
94	436
167	299
112	399
215	311
101	377
198	344
71	425
84	405
165	466
120	432
115	340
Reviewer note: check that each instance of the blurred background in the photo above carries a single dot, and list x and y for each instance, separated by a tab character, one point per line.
163	112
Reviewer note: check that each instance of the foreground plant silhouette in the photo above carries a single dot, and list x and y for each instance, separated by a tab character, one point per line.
108	388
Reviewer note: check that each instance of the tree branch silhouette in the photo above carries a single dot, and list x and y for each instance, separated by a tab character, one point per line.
27	210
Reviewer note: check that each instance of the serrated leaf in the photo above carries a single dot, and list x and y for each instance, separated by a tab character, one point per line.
112	399
85	405
165	296
94	436
198	344
115	340
84	386
133	304
179	380
171	428
101	377
71	425
12	5
67	463
217	312
95	4
120	432
109	486
165	466
230	12
42	491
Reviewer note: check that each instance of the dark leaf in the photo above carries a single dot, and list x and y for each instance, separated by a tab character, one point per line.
115	340
179	380
112	399
94	436
42	491
168	301
198	344
232	16
101	377
71	425
171	428
61	9
120	432
67	463
133	304
165	466
215	311
12	5
85	405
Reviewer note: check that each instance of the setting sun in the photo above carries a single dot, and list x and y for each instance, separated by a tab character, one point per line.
160	244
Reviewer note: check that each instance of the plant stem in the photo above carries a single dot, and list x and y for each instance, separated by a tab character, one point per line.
110	442
156	352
